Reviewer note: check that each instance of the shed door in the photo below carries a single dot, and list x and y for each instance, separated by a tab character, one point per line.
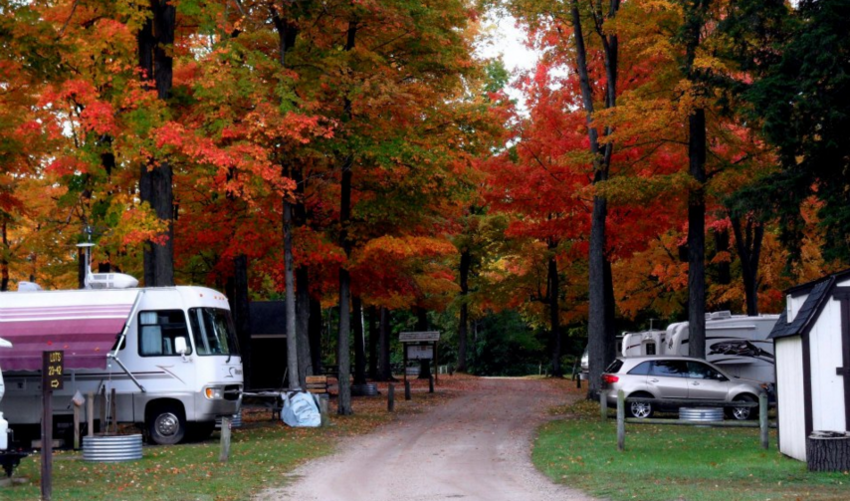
790	397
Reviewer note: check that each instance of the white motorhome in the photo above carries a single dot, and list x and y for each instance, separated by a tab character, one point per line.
737	343
4	425
169	353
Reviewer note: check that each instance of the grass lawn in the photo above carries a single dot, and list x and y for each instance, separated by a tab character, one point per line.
261	453
664	463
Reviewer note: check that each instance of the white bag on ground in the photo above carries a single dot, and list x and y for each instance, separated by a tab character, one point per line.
300	410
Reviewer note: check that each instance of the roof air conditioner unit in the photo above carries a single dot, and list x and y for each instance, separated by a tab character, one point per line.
111	281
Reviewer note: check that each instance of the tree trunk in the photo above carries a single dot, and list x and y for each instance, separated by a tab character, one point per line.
286	39
344	354
696	235
293	370
384	369
553	294
155	40
373	342
422	325
315	330
828	451
723	268
241	313
302	324
4	261
463	328
601	336
302	289
359	344
748	242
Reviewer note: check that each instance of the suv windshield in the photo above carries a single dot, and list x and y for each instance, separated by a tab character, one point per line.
213	331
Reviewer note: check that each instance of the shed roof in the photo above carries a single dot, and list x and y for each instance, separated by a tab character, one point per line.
818	294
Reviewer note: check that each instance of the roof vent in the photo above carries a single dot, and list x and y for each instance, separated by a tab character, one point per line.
717	315
28	287
110	281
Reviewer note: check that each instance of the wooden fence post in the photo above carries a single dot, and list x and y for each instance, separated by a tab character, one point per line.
407	390
225	439
90	413
76	427
621	420
113	411
603	405
765	437
431	384
391	398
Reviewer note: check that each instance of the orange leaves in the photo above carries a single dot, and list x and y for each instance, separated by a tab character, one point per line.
399	248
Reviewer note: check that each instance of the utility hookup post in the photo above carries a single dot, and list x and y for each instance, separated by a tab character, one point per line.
52	369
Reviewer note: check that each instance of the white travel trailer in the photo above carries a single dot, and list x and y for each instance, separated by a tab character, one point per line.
737	343
169	353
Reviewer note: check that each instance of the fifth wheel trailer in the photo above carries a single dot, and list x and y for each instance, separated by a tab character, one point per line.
739	344
169	354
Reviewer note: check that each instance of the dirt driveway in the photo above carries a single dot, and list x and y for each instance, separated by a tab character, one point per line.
475	447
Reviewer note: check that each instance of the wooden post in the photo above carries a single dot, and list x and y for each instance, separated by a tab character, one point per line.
76	427
765	437
225	439
113	411
90	413
407	390
603	405
102	397
431	384
391	398
621	420
323	409
437	365
47	444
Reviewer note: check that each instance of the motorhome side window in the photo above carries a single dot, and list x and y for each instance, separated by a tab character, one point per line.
213	331
159	329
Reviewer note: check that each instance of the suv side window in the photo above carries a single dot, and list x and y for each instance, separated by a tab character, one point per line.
698	370
614	367
669	368
642	369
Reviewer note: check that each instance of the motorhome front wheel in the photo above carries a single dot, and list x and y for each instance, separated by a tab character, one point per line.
167	425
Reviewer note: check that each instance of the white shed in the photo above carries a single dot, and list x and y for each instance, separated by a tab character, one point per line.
812	349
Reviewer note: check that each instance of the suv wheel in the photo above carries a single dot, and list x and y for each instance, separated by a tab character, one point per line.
743	413
640	410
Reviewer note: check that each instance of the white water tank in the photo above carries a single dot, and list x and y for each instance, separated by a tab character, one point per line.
4	433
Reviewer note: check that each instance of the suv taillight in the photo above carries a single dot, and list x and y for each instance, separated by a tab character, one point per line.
609	378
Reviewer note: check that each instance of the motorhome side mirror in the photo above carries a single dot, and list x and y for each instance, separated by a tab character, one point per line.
180	346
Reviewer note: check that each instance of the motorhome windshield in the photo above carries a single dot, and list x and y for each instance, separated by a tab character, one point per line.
213	331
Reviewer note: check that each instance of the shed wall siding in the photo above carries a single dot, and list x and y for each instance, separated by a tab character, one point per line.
790	405
826	352
794	304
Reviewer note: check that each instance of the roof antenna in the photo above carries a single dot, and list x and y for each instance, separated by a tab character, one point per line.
85	271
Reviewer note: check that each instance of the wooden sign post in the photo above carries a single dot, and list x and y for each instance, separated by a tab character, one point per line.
420	346
52	370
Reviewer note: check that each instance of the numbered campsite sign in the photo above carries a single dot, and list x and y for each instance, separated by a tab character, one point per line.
53	369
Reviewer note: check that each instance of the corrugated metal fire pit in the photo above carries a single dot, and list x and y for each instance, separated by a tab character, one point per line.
236	422
701	414
112	448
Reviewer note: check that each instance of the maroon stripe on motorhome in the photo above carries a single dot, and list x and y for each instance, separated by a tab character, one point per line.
86	341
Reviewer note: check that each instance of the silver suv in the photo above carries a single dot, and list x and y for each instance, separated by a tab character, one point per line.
678	378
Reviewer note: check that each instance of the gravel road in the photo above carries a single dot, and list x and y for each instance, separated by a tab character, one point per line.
474	447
